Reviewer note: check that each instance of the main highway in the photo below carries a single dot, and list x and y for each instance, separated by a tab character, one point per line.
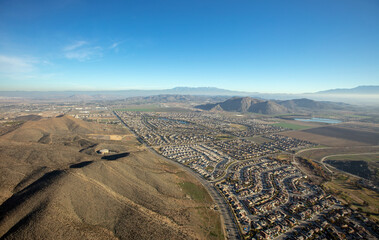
232	231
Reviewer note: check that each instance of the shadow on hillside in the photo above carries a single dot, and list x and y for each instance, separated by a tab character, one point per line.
81	164
115	156
27	192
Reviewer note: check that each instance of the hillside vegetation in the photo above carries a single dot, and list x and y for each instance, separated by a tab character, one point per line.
54	185
253	105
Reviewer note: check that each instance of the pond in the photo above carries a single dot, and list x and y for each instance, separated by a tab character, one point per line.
321	120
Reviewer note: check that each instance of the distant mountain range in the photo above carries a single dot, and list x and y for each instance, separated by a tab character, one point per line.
119	94
169	98
356	90
361	94
253	105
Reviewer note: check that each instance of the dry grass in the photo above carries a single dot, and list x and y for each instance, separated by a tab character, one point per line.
238	126
135	197
319	153
284	157
345	189
360	157
112	137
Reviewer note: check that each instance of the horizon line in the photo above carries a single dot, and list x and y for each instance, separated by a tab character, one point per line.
163	89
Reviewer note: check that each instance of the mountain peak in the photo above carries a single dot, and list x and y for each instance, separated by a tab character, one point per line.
246	104
253	105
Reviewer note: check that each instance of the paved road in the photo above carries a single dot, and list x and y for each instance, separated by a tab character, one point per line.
328	166
344	154
231	228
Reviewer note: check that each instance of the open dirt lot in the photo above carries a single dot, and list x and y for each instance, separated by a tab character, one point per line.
111	137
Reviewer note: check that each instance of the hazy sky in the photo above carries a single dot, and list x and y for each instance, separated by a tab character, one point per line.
250	45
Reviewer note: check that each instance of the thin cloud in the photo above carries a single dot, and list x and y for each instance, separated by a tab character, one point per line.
114	45
75	45
84	54
12	64
23	68
82	51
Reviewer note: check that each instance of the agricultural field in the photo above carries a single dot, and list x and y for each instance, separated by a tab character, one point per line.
337	136
321	140
363	137
369	127
291	126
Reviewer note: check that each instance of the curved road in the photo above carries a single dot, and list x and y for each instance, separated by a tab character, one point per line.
325	165
232	231
344	154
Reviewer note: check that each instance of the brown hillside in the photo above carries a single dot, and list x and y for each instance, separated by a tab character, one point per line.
45	129
59	191
268	107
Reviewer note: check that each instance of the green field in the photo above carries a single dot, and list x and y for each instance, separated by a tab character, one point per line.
291	126
197	193
211	223
358	116
291	115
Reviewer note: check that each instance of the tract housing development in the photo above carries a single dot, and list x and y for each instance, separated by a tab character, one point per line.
252	167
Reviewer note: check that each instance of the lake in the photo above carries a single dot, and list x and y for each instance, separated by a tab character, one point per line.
321	120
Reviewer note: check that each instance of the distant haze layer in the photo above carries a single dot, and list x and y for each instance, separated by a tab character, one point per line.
368	95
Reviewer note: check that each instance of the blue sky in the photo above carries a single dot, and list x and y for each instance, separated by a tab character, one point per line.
289	46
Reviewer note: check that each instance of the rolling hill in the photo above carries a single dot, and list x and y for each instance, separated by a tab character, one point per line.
253	105
58	187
